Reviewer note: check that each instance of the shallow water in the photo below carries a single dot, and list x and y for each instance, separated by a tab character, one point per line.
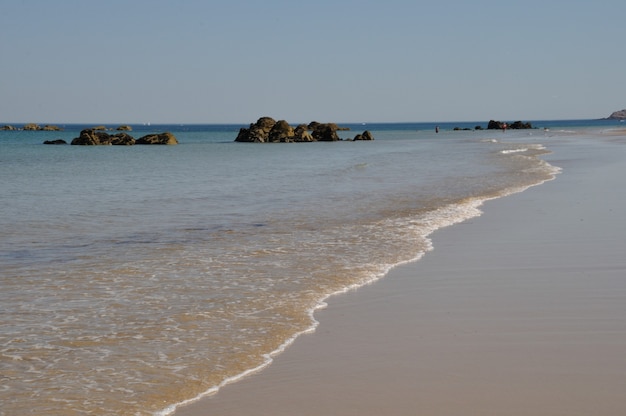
135	278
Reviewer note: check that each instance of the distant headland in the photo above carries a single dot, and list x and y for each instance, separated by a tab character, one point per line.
32	127
617	115
51	127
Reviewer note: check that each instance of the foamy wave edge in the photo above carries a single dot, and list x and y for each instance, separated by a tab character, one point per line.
444	217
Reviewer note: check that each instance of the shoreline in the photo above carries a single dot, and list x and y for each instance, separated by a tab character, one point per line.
448	332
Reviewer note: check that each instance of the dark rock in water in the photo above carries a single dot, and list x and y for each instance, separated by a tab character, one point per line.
91	137
281	132
301	134
58	141
499	125
314	124
495	125
31	126
122	139
367	135
34	127
518	125
326	132
124	128
166	138
617	115
258	132
268	130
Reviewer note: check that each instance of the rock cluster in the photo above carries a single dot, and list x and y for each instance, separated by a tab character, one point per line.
499	125
33	127
268	130
91	137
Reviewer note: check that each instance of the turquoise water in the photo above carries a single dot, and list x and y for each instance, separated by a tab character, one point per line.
136	278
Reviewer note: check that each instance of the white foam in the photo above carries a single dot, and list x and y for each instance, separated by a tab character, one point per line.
506	152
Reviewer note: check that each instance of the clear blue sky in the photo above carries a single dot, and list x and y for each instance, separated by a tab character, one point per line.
199	61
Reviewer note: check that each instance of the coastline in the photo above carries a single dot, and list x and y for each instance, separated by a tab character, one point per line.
529	320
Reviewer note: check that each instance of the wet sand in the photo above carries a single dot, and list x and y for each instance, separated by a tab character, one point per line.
521	311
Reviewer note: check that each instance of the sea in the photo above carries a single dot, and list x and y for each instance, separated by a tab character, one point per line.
134	279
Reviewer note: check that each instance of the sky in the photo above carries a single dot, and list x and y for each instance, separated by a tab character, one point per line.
233	61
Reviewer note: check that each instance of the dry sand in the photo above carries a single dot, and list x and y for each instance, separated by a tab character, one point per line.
521	311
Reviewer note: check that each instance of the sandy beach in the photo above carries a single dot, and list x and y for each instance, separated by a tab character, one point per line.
521	311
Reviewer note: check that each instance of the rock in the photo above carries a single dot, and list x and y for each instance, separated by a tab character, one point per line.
91	137
244	135
301	134
162	138
520	125
617	115
37	127
124	128
312	125
281	132
265	123
494	125
31	126
57	141
326	132
122	139
499	125
258	132
367	135
99	128
266	129
7	127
